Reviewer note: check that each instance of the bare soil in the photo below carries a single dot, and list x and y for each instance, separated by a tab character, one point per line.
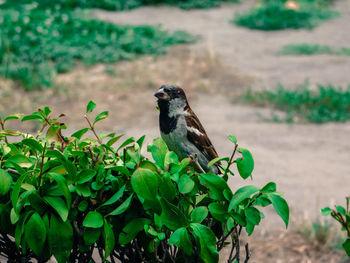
309	163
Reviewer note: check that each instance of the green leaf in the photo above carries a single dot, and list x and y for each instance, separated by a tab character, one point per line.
326	211
114	140
185	184
93	219
33	144
103	115
19	159
17	188
13	117
207	241
158	150
85	176
245	165
218	211
269	188
170	158
130	231
90	106
60	238
341	210
242	194
216	185
166	188
14	217
172	216
126	142
253	215
232	138
217	159
35	233
34	116
123	207
181	239
59	205
145	183
346	246
199	214
9	132
5	182
115	197
83	205
80	133
91	235
62	185
281	207
109	239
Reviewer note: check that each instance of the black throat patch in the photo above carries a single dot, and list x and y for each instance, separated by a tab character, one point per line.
167	124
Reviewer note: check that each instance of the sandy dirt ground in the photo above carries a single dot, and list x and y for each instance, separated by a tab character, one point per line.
310	163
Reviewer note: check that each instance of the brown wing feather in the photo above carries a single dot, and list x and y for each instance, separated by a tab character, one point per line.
201	142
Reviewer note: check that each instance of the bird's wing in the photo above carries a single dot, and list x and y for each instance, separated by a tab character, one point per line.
197	135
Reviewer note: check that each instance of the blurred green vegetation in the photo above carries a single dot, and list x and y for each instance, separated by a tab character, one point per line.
280	14
116	5
312	49
324	104
37	43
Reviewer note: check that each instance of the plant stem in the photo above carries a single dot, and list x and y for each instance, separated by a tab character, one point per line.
93	130
42	164
230	162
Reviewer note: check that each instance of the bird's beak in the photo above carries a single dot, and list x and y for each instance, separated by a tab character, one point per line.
161	95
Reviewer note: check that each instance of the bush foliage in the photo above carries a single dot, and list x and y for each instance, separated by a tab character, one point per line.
324	104
66	196
342	215
274	15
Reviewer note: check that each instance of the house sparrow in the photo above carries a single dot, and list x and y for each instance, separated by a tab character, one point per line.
181	130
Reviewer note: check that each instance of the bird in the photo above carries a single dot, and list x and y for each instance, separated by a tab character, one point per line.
181	129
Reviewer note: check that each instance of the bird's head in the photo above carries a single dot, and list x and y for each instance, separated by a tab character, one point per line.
170	92
172	100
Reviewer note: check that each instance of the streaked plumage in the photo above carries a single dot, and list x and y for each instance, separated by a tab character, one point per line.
181	129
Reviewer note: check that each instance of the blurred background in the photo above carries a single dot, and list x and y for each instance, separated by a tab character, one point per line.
274	73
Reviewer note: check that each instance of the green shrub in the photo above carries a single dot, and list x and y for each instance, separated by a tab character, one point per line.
312	49
37	44
325	104
342	215
66	196
273	15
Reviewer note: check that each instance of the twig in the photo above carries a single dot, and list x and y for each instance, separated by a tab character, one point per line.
42	164
247	253
195	160
231	158
93	130
3	127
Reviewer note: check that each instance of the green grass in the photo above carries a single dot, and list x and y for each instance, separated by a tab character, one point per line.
325	104
37	44
312	49
273	15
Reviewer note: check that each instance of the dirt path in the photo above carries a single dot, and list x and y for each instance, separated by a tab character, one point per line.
310	163
252	52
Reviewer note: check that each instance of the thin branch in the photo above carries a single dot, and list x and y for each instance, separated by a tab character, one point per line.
195	160
247	253
93	130
3	127
230	161
42	164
